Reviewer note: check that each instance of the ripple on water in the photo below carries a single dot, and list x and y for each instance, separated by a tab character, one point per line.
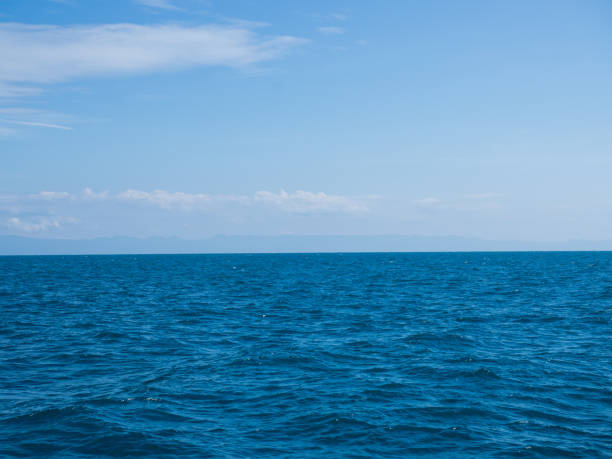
355	355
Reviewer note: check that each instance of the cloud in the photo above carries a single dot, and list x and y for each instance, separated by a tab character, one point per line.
11	91
40	196
18	111
179	200
465	202
328	17
167	200
38	224
52	195
11	117
42	203
482	196
427	201
36	124
47	54
300	202
339	16
331	30
309	202
7	132
34	55
161	4
90	195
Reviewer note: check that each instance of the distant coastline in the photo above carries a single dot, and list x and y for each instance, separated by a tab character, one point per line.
20	245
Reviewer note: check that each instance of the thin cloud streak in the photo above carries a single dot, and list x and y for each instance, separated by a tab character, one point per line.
38	224
37	124
299	202
309	202
465	202
48	54
12	91
7	132
161	4
330	30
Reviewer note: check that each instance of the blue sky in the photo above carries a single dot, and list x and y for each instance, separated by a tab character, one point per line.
192	118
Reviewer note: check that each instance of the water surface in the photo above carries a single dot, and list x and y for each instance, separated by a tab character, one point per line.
338	355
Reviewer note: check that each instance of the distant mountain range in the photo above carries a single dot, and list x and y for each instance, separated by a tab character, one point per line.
18	245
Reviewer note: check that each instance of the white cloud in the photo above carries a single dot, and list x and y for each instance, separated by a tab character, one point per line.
331	30
32	55
11	117
300	202
161	4
46	54
51	195
18	111
181	201
36	124
167	200
38	224
7	132
91	195
40	196
339	16
427	201
329	17
482	196
465	202
309	202
11	91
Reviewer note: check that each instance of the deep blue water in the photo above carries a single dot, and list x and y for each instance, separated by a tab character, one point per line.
337	355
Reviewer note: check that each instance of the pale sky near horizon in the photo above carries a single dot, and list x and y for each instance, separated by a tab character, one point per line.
190	118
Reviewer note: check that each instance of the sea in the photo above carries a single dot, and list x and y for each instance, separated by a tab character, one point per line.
372	355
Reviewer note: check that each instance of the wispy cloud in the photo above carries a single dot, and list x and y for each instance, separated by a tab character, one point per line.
427	201
91	195
13	117
7	132
168	200
40	196
464	202
36	124
328	17
37	224
33	55
161	4
339	16
331	30
47	54
12	91
51	195
299	202
482	196
309	202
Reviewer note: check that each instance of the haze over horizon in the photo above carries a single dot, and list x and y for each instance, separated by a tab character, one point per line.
190	118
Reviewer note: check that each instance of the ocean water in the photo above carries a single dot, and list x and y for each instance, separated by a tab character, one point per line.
307	355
